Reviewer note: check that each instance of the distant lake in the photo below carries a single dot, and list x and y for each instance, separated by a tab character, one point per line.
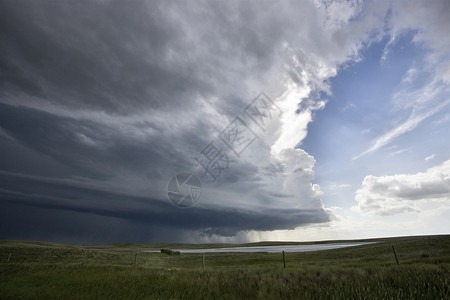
272	249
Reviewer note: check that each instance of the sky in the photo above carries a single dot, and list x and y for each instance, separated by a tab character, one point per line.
223	121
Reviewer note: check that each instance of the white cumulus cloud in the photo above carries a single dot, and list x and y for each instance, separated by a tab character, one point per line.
403	193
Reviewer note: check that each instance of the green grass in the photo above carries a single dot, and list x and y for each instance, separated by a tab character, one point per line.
367	271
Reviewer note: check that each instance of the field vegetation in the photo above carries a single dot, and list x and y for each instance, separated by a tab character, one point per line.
44	271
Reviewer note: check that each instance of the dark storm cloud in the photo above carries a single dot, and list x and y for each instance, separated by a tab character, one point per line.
108	151
101	102
94	148
108	56
21	221
59	197
121	56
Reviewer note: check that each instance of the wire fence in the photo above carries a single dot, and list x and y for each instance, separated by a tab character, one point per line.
143	258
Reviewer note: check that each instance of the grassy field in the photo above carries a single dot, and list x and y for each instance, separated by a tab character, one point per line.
43	270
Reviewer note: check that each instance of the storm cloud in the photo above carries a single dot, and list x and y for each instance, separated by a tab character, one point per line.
103	102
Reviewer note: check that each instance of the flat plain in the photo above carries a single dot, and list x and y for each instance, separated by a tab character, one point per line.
41	270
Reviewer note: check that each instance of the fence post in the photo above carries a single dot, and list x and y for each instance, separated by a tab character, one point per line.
284	260
135	256
203	260
84	258
9	257
395	254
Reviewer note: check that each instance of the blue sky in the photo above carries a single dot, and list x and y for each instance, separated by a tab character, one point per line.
362	106
359	109
301	120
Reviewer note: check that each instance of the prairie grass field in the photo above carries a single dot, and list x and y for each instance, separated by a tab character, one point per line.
37	270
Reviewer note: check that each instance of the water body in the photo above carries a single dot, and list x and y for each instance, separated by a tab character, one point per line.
272	249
